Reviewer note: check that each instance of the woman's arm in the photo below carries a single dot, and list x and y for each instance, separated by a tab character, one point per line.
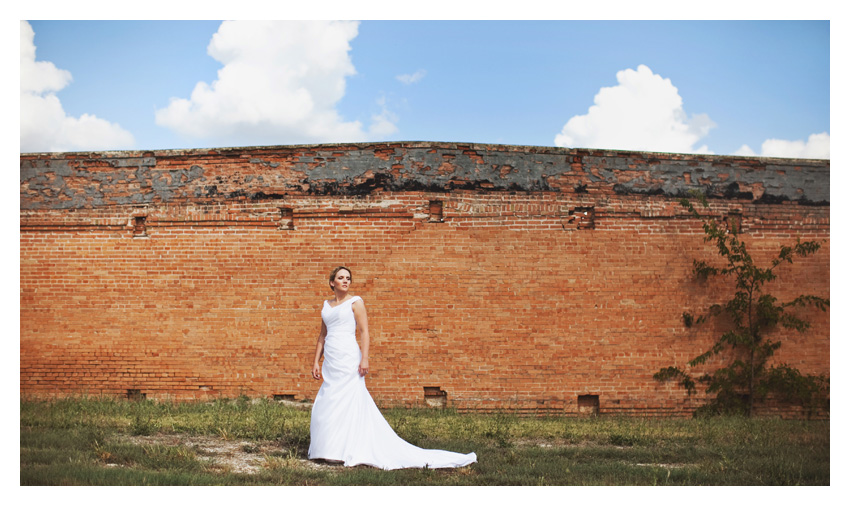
363	324
320	348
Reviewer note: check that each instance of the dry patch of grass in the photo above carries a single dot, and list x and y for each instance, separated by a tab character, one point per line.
234	456
245	442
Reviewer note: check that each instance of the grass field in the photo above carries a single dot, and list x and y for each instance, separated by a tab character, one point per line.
88	441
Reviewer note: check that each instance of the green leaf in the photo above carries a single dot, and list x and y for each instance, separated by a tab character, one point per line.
669	373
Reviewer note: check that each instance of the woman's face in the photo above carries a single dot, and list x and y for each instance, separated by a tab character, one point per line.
342	280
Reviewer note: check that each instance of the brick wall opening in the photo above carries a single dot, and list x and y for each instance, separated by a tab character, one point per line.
435	211
287	218
582	218
734	222
284	397
435	397
139	226
588	405
135	394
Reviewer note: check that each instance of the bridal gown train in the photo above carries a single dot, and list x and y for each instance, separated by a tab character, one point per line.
345	424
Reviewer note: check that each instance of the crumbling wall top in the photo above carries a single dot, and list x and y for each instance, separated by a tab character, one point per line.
107	178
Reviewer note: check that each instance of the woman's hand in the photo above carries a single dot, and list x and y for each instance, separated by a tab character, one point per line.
317	371
364	367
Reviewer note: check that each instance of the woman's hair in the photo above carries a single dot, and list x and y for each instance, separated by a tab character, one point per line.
334	273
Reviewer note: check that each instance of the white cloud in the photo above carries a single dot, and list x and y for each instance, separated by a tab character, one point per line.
642	113
279	84
817	146
44	124
384	123
745	150
411	78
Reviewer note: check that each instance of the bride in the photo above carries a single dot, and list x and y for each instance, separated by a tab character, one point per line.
345	424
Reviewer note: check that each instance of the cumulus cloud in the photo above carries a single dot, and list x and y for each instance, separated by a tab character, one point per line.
44	124
280	83
816	146
411	78
642	113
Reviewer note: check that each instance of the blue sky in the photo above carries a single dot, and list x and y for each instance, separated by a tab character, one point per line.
726	87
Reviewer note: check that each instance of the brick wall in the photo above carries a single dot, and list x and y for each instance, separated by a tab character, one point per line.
509	277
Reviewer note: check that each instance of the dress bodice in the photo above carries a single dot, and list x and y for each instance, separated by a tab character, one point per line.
339	319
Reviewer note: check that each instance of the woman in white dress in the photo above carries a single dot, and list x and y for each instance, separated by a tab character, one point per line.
345	423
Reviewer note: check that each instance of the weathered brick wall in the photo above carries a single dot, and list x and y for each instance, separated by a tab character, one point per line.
510	277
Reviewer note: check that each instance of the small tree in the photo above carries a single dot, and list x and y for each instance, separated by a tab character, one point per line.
747	378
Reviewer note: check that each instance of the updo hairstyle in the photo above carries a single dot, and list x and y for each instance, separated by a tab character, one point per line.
335	272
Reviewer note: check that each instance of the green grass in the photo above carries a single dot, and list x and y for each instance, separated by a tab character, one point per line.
87	441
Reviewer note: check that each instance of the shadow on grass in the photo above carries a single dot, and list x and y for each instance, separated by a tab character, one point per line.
242	442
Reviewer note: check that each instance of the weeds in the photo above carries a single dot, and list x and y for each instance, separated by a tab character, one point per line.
113	442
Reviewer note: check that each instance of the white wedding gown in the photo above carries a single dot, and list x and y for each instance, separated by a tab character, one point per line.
345	424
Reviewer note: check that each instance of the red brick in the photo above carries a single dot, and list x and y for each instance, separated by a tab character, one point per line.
503	304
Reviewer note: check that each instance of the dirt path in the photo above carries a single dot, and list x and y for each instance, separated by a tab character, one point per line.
237	456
